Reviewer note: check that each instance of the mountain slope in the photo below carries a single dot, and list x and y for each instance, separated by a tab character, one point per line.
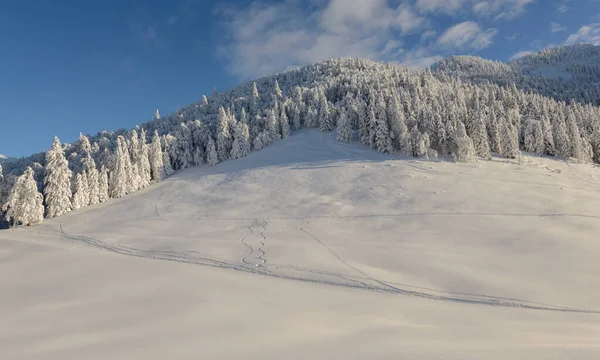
564	73
4	158
393	109
312	248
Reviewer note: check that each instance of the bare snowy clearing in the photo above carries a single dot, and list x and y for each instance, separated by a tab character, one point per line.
316	249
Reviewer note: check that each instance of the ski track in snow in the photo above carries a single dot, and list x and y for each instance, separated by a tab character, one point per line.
437	172
359	216
198	258
260	259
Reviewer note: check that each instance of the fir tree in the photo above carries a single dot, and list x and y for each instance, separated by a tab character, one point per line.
90	172
80	190
198	156
223	136
382	136
510	143
103	185
24	205
157	169
325	120
480	139
463	149
344	129
272	128
284	125
144	161
57	181
118	186
561	139
212	157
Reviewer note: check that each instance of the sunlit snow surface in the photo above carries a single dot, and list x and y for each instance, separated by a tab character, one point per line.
313	249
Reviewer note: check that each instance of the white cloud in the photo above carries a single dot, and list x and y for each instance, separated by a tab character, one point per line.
562	9
264	38
555	27
267	38
586	34
520	54
467	35
498	9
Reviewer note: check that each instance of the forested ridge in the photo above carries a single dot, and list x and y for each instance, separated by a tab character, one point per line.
463	109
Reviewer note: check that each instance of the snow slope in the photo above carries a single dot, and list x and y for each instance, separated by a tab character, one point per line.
313	249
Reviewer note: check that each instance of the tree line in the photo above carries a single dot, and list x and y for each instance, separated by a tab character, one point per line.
389	108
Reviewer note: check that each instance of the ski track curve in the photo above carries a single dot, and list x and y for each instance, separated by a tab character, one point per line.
260	256
381	286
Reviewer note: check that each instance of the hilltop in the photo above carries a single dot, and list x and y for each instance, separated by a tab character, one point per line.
567	73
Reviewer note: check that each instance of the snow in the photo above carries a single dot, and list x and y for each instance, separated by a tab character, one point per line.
552	72
315	249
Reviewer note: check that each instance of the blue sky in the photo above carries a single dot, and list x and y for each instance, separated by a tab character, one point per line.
71	66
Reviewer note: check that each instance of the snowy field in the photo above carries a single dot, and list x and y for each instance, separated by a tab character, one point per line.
313	249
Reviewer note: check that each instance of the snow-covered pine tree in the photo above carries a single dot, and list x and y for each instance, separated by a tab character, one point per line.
480	138
463	149
118	185
533	140
212	158
547	134
243	116
575	138
417	142
24	205
344	128
83	145
90	172
284	124
494	131
168	169
103	185
57	181
241	145
272	128
223	136
254	100
80	190
204	101
198	156
595	143
133	174
156	115
382	136
399	130
257	144
311	117
561	139
325	120
157	169
510	142
299	109
293	110
277	91
144	161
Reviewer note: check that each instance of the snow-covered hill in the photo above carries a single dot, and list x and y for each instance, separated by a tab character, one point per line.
311	248
565	73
